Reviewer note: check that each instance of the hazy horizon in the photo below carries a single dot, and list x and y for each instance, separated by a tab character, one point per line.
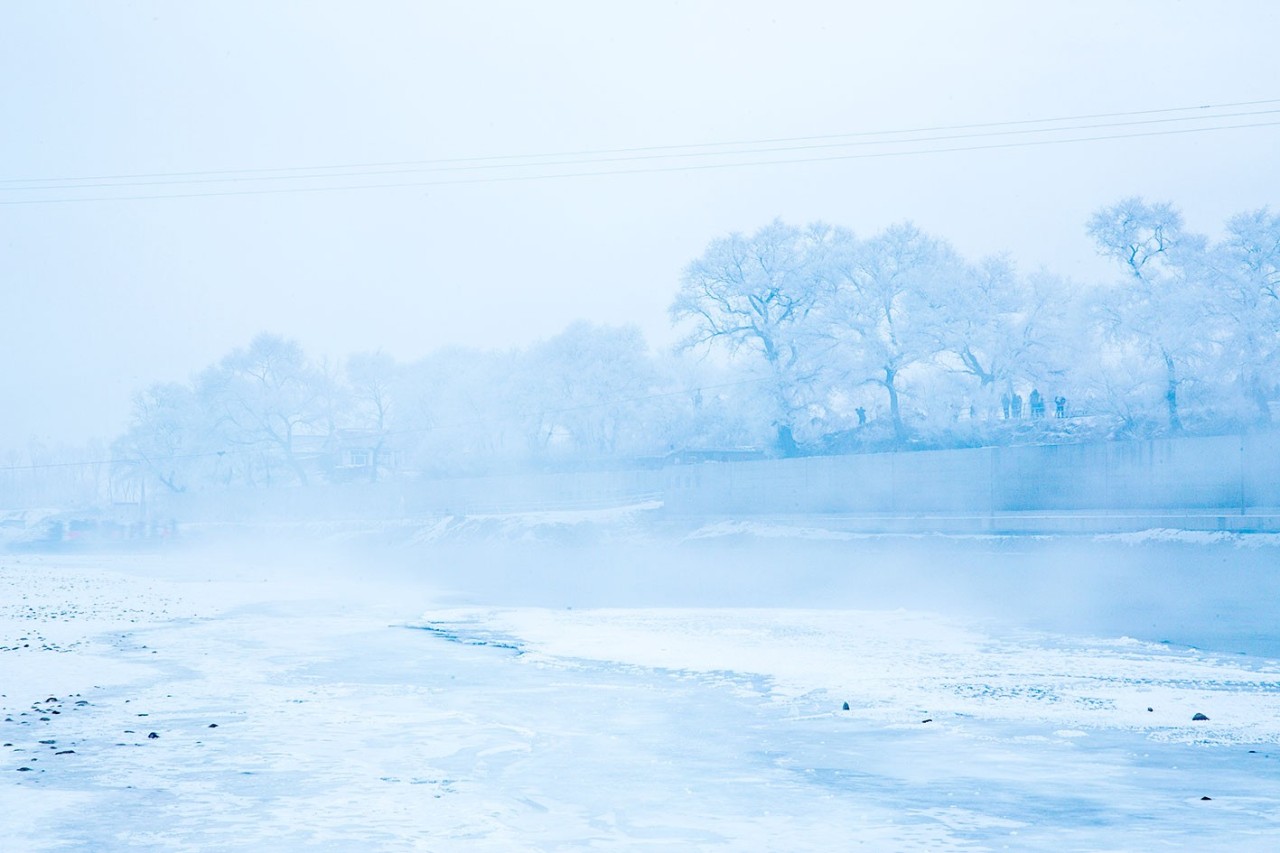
107	296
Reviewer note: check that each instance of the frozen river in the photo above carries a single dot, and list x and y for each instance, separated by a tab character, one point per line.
682	696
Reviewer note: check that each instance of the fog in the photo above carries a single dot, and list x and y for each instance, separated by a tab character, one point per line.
704	426
1211	591
105	297
476	661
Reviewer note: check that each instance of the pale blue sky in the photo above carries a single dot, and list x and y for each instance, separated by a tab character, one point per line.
104	297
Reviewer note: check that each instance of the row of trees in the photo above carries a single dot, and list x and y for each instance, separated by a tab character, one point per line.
797	339
1189	326
269	413
887	323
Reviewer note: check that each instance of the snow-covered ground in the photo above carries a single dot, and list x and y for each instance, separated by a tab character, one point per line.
535	696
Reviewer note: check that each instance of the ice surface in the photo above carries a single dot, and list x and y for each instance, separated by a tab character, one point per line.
300	704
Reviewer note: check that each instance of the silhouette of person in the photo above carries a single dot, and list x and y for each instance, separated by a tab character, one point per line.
1037	404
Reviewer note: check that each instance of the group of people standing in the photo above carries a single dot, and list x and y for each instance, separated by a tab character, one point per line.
1011	405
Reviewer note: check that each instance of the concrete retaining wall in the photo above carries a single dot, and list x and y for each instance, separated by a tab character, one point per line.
1191	473
1224	473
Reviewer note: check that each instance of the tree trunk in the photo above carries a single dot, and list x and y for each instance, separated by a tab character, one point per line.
292	461
786	442
895	411
1253	388
1171	394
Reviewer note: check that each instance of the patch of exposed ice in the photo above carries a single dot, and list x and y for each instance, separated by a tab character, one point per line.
893	666
1193	537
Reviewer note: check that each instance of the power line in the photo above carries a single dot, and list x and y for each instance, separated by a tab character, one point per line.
259	178
638	149
635	171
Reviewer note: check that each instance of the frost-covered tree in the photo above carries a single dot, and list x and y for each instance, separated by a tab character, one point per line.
1247	280
752	295
1158	312
262	398
704	404
167	438
1008	331
371	382
887	315
590	386
459	410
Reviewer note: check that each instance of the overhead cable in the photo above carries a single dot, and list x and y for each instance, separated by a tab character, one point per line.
650	169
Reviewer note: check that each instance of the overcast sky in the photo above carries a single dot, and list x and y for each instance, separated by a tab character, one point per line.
102	297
